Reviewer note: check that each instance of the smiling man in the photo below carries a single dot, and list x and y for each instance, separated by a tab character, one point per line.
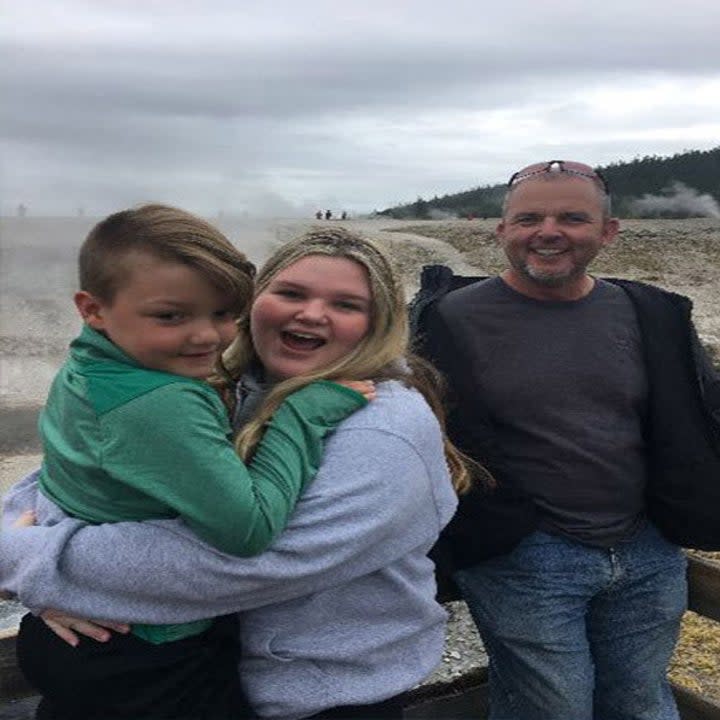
592	403
554	225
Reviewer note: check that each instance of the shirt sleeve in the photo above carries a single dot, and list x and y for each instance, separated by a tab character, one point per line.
372	503
172	445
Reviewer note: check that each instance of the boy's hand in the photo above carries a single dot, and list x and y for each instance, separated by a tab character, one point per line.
67	626
365	387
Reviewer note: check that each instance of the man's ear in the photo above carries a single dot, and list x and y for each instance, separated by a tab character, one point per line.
611	228
90	309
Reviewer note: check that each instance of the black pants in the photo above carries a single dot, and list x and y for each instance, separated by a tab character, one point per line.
127	678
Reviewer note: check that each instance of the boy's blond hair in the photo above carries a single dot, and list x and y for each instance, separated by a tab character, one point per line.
168	233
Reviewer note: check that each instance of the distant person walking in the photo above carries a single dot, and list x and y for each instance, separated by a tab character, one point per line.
328	214
597	410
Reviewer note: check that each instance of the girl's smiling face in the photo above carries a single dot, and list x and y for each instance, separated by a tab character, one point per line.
312	314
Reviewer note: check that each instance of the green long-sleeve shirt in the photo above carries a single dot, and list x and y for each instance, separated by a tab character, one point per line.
122	442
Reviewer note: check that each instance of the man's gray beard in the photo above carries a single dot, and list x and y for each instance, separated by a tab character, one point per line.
551	280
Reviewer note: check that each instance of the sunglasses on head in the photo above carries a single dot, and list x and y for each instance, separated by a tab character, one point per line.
559	166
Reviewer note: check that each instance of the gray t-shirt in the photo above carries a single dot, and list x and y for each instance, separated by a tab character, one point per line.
565	386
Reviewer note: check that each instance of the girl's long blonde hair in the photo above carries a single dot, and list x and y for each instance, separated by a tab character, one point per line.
381	355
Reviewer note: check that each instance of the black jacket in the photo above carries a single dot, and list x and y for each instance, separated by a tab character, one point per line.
682	432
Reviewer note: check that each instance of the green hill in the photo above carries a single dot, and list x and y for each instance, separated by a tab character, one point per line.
684	185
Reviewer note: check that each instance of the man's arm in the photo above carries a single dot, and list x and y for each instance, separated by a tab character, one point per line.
371	503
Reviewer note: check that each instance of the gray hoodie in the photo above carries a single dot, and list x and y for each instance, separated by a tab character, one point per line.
341	610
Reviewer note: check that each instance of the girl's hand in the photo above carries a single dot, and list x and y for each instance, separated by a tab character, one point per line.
66	626
365	387
27	519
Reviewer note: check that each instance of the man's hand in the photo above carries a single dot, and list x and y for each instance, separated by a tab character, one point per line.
67	627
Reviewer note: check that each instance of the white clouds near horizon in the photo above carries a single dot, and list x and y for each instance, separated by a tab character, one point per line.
226	105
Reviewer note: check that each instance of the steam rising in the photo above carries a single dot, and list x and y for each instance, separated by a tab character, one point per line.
438	214
677	201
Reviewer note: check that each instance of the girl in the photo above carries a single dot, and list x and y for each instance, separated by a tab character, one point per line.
339	617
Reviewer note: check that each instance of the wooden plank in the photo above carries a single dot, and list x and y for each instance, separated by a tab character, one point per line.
464	698
470	704
704	587
12	683
693	706
704	599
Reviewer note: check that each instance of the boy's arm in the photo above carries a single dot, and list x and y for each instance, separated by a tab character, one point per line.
173	446
374	501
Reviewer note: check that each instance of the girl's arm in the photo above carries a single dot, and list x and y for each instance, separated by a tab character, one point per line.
378	496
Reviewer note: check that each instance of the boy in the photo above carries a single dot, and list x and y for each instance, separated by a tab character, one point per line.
132	431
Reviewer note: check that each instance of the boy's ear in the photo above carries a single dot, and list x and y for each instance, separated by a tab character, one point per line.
90	309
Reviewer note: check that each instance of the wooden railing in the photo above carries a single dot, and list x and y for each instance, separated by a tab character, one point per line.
464	698
12	683
704	599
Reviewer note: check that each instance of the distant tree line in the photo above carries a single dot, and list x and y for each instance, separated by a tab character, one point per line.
695	172
483	201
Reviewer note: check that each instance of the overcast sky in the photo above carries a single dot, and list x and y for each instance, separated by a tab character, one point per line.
286	106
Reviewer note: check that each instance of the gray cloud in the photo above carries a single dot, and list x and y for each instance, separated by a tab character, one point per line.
213	104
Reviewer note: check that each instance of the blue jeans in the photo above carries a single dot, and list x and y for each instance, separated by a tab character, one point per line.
579	633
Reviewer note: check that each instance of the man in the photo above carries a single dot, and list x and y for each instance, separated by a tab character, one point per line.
596	410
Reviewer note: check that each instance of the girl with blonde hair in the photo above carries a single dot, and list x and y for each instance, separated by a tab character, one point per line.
382	354
339	618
